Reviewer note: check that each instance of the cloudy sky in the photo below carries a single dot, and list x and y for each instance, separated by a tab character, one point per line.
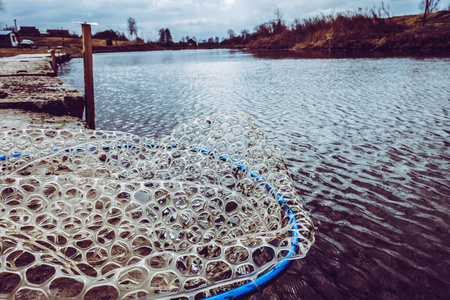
199	18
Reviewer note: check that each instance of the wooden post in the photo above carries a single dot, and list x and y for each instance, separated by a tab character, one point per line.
54	65
88	75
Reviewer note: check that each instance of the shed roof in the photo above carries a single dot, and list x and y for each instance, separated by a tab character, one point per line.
5	32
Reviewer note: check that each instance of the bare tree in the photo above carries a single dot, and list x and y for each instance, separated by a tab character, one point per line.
9	28
278	15
245	34
132	27
428	6
1	6
278	23
231	33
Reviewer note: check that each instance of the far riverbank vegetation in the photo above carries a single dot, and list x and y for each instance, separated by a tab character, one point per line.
364	30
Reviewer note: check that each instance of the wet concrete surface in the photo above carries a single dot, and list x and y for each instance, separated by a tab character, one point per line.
32	96
26	64
13	119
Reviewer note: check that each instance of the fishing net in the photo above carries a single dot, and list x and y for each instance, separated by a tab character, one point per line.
92	214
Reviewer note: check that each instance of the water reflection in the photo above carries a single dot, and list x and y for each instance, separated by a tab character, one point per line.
322	54
366	140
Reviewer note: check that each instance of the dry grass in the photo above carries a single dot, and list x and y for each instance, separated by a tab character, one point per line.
54	42
71	46
5	52
364	30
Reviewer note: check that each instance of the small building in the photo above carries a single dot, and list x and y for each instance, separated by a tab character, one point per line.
193	42
29	31
58	32
8	39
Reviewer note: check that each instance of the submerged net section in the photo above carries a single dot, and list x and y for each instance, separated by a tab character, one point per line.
92	214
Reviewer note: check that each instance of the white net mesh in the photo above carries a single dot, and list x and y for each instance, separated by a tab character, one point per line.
93	213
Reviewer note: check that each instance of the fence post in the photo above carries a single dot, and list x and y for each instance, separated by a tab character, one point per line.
54	65
88	75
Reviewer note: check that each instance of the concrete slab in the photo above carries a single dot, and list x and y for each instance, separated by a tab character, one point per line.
29	97
30	64
12	119
40	94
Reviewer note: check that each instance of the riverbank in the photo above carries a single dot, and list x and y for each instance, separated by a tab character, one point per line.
31	96
404	34
361	32
73	47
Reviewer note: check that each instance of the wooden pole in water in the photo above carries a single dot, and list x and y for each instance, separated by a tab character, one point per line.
88	75
54	66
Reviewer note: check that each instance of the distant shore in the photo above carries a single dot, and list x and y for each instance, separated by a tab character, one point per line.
349	33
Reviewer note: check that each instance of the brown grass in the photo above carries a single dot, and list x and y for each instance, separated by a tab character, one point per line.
71	46
365	30
5	52
54	42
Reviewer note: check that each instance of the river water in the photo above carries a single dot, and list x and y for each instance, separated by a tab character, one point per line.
365	139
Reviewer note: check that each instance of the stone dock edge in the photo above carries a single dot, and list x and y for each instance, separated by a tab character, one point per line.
31	96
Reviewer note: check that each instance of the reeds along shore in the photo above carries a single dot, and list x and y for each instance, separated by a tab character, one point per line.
364	30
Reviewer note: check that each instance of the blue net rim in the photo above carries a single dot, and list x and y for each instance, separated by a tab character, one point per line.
260	282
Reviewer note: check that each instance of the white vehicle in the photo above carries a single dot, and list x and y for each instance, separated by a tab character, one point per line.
26	43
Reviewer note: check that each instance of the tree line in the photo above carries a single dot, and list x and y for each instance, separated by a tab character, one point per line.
165	37
110	35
